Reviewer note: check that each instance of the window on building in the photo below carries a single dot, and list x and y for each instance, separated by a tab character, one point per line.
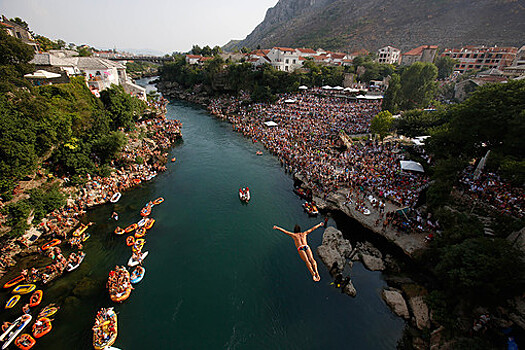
286	68
293	61
287	61
18	35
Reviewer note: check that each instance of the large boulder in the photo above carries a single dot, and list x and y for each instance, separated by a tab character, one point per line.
331	257
334	248
372	263
396	302
420	311
350	289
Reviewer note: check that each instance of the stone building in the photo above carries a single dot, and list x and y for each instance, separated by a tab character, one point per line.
388	55
424	53
19	32
481	57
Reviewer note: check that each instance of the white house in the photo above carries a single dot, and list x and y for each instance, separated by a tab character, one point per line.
193	59
284	58
389	55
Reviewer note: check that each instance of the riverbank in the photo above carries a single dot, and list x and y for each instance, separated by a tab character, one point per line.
143	157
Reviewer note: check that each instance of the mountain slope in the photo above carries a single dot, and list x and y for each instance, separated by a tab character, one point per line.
370	24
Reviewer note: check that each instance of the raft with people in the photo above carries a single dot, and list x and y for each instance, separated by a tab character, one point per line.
141	232
36	298
48	311
130	240
119	231
80	230
15	329
158	201
25	341
139	244
146	210
105	330
74	261
137	258
149	223
131	228
311	208
41	327
244	194
119	284
138	274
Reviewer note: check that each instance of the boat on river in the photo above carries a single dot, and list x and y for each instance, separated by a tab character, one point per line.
24	289
25	341
75	261
149	223
138	274
119	284
41	327
105	330
36	298
12	301
15	329
116	197
53	243
135	260
311	208
14	281
48	311
244	194
80	230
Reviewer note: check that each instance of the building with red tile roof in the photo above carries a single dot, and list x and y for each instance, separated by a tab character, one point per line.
423	53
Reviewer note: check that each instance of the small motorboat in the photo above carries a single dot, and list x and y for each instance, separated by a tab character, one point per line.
24	289
25	341
130	241
105	330
139	243
48	311
133	261
41	327
14	281
116	197
149	223
158	201
74	265
53	243
173	159
80	230
119	231
141	232
131	228
36	298
19	325
244	194
138	274
12	301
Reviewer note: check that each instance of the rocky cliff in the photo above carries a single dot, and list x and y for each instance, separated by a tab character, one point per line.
354	24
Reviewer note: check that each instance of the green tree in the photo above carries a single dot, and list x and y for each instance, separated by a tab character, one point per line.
392	97
14	62
445	66
381	124
418	85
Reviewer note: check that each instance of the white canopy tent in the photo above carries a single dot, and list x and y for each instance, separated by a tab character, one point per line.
369	97
290	100
411	166
42	74
327	87
303	87
420	140
338	88
348	89
270	123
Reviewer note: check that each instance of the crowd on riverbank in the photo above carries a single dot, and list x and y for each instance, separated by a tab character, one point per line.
141	160
306	138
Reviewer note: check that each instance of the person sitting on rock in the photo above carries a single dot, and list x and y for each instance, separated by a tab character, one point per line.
303	249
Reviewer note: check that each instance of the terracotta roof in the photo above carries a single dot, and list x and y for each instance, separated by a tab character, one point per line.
284	49
193	56
303	50
301	58
206	58
338	55
7	25
418	50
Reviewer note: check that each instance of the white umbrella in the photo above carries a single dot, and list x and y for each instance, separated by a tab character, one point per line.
42	74
290	101
302	87
338	88
327	87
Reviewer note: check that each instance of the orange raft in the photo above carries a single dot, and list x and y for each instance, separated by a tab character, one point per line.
141	232
121	291
80	230
42	329
131	228
14	281
53	243
25	341
146	210
158	201
36	298
119	231
130	241
149	223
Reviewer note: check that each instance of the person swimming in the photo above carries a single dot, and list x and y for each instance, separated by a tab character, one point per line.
303	249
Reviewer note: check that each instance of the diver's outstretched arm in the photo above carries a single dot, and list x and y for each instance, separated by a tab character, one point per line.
282	230
314	228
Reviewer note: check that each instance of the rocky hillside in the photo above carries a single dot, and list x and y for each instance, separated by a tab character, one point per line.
370	24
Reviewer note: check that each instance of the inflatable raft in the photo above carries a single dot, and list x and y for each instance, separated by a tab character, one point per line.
12	301
24	289
133	262
41	327
14	281
149	223
138	274
36	298
116	197
13	332
48	311
80	230
131	228
244	194
53	243
25	341
73	266
105	330
119	231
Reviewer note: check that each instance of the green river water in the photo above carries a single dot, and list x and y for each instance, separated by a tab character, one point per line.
217	275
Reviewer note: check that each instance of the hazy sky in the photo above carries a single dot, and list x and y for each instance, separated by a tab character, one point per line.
163	25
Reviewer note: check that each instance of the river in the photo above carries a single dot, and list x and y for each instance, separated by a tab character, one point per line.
217	275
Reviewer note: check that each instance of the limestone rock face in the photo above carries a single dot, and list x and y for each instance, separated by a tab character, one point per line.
350	289
330	256
396	302
372	263
420	311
